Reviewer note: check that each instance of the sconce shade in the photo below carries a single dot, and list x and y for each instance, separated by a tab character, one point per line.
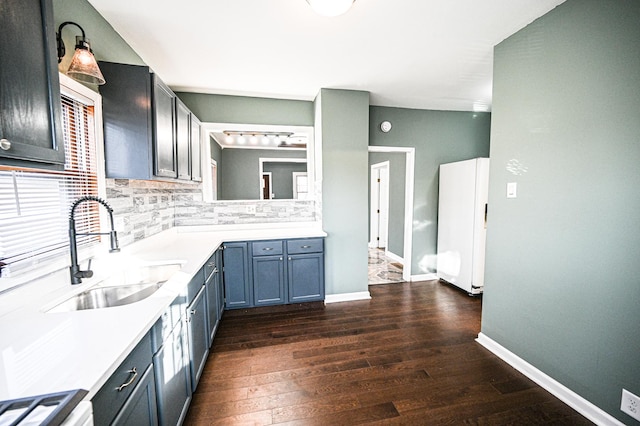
83	65
330	7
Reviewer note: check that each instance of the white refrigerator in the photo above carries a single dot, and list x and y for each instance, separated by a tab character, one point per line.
462	223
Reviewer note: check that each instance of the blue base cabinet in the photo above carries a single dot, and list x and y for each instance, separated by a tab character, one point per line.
140	408
198	336
237	283
214	293
306	277
278	272
173	377
268	280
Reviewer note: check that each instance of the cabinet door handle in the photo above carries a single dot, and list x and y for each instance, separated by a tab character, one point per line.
131	380
305	247
215	270
5	145
281	259
289	257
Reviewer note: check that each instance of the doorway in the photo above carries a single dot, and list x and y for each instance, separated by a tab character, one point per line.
267	188
399	182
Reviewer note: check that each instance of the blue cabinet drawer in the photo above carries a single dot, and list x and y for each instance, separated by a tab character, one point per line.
306	245
195	285
115	392
267	248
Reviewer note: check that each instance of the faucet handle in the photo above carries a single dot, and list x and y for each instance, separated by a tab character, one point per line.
88	273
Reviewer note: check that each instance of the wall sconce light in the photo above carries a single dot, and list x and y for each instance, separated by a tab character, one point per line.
83	66
330	7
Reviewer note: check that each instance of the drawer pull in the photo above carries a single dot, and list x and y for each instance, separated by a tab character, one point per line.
133	378
305	247
267	248
5	145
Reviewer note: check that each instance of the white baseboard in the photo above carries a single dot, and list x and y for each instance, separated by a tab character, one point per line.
347	297
424	277
394	257
563	393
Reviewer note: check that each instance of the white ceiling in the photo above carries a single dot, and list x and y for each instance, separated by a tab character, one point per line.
428	54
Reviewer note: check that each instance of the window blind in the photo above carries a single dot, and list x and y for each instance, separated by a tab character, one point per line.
35	204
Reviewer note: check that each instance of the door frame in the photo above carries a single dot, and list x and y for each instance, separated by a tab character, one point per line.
410	154
270	189
381	197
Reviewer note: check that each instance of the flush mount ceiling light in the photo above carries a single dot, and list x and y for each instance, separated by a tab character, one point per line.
330	7
83	66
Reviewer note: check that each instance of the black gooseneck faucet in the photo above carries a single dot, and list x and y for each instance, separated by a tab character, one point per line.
76	274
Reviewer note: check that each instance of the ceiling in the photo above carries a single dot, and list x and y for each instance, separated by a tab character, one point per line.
426	54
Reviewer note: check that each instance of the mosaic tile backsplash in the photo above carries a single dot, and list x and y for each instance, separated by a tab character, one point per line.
145	208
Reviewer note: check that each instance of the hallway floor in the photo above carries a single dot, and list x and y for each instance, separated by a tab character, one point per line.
383	270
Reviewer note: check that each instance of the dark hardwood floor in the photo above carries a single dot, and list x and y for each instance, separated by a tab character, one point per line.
405	357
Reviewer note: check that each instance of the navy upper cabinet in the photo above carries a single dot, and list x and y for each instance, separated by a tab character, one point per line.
128	121
30	112
147	130
183	140
164	116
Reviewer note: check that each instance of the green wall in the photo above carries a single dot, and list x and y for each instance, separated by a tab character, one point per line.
107	45
562	288
438	137
239	176
397	177
247	110
343	120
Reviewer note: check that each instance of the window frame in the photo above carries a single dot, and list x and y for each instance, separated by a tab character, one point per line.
78	92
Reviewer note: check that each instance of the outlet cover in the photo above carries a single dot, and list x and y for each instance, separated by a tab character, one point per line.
630	404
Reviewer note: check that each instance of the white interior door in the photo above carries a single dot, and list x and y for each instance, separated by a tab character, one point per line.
379	205
300	186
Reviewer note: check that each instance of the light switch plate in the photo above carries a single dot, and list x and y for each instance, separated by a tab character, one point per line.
512	189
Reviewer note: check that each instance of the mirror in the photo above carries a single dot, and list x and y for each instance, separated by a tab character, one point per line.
261	162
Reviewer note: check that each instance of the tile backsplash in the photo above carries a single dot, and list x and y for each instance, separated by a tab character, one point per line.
145	208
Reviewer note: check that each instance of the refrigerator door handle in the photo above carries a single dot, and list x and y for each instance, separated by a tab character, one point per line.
486	208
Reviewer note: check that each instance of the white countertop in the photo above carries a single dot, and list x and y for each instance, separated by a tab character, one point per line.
43	352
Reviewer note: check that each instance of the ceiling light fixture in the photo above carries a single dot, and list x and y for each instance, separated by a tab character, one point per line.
83	66
330	7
